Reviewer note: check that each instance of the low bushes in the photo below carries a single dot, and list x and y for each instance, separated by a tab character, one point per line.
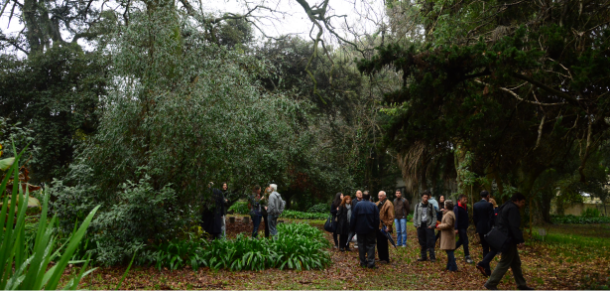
319	208
304	215
571	219
239	207
298	246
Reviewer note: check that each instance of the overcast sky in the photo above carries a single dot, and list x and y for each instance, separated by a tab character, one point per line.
361	15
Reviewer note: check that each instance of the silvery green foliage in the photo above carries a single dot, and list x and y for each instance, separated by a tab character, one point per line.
181	112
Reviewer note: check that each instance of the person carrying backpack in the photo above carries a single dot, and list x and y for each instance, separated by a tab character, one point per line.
274	209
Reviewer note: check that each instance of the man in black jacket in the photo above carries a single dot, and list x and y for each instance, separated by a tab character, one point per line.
483	216
365	222
509	220
461	225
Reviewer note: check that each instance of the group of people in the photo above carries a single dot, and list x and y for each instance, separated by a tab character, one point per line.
267	207
372	224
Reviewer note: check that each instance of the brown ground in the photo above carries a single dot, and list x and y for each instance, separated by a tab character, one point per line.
546	266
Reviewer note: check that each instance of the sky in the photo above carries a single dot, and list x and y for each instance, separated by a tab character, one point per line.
360	15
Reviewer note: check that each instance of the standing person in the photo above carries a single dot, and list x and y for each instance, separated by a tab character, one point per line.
461	225
448	235
509	221
275	209
495	205
343	217
401	211
366	193
358	198
225	193
264	204
364	222
334	207
354	203
386	219
483	215
256	209
212	214
424	220
439	214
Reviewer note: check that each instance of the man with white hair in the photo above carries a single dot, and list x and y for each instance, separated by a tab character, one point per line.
274	209
386	219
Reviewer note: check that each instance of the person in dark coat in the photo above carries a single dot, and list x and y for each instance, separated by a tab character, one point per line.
508	222
334	207
461	225
212	214
365	222
343	217
401	211
483	215
439	214
357	199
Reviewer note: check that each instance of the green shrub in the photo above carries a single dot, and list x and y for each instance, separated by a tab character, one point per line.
571	219
240	207
298	246
24	265
303	215
591	212
319	208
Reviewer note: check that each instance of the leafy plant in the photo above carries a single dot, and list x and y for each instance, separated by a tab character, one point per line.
303	215
240	207
591	213
298	246
571	219
25	268
319	208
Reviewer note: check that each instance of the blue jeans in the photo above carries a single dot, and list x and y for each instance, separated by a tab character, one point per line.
451	265
256	221
401	231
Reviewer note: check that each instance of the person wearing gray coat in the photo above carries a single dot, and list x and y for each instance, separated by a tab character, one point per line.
424	219
274	209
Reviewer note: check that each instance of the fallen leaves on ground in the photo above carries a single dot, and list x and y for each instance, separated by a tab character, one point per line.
545	266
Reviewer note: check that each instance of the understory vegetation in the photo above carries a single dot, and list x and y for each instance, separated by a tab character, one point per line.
299	246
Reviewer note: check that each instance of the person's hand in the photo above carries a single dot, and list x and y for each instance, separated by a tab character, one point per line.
265	207
521	245
431	227
456	231
337	208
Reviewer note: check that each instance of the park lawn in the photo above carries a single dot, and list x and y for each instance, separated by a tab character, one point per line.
577	258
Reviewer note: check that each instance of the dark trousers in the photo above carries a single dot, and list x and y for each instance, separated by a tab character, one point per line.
451	264
335	238
256	222
266	226
484	244
382	247
343	241
487	259
425	236
463	241
366	248
510	259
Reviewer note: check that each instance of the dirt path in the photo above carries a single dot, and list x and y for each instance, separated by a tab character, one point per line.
543	266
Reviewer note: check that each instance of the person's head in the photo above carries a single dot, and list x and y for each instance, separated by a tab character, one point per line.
337	199
225	186
441	199
398	194
346	200
425	196
359	194
463	199
493	202
518	199
273	187
485	195
448	204
366	195
210	184
257	190
381	195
